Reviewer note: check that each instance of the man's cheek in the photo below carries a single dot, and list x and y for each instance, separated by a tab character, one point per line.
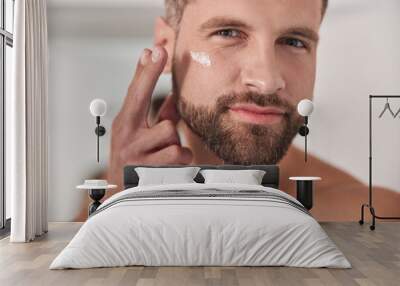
201	58
300	80
204	81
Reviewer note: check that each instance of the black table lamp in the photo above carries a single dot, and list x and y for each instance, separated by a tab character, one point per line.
98	108
305	108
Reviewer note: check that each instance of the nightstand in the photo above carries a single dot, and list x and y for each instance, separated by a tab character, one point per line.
96	190
305	190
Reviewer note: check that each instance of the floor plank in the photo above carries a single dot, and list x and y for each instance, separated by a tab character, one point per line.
374	255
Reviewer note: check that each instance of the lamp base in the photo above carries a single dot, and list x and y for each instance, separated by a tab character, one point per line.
100	130
304	131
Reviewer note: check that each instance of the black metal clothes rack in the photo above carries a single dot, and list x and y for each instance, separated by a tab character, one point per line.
370	205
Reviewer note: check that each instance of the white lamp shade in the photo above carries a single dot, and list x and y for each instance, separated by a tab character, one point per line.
98	107
305	107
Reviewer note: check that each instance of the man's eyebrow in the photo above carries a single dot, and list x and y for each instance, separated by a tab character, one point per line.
303	32
220	21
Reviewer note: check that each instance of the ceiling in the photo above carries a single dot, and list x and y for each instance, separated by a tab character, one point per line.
107	3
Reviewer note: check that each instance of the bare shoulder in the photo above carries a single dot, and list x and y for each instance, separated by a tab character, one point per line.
293	164
339	196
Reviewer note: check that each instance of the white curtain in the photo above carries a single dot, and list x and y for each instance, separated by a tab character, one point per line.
26	123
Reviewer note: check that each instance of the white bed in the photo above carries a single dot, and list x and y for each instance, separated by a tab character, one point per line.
223	225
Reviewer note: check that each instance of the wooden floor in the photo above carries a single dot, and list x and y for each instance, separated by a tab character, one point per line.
375	257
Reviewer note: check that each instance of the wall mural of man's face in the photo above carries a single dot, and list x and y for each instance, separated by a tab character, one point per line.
239	69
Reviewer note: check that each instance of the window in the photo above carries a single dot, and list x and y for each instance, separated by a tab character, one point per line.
6	44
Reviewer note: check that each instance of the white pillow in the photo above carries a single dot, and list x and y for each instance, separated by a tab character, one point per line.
162	176
248	177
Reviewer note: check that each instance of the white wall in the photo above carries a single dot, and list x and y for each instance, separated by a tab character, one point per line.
93	53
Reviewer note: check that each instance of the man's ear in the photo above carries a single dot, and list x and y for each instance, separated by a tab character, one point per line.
164	35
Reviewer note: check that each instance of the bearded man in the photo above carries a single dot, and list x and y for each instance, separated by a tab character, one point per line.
239	69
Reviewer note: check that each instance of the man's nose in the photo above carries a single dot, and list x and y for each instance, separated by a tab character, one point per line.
261	73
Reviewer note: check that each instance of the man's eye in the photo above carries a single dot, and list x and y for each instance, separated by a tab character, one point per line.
228	33
299	44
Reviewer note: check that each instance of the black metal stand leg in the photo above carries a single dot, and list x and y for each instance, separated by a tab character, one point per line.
372	210
374	216
361	221
96	195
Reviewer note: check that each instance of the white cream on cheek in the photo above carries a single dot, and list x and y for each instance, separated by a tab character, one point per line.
202	58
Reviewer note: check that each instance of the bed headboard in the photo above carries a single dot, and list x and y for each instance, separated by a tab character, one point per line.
270	179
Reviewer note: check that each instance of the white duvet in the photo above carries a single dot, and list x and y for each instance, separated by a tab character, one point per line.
202	231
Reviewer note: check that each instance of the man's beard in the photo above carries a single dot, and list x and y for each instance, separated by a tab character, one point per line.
236	142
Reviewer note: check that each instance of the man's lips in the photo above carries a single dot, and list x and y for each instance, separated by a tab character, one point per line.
257	114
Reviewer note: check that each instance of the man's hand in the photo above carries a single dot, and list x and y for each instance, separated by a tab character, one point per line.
133	140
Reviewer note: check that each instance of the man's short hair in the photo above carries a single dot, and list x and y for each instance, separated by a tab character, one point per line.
174	11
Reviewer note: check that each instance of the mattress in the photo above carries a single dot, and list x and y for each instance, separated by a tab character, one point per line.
201	225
